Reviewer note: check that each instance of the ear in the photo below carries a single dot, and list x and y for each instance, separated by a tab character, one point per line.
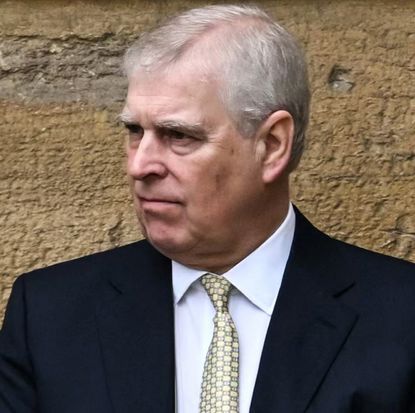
275	138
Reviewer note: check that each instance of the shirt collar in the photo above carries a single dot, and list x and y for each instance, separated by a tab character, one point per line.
258	276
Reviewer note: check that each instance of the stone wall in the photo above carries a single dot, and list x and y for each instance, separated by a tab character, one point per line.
62	187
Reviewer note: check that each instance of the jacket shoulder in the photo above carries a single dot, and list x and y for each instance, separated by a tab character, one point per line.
87	271
346	260
371	260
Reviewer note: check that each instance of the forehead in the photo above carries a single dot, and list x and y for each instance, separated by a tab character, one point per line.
180	91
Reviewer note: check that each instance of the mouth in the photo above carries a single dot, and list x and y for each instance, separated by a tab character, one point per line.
161	200
153	204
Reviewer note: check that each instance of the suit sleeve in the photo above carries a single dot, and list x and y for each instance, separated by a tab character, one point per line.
17	386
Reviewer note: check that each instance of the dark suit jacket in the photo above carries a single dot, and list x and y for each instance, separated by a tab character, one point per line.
96	334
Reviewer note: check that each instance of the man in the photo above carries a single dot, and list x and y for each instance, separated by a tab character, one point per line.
235	302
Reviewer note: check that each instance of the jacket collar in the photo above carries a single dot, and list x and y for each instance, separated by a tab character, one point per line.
308	327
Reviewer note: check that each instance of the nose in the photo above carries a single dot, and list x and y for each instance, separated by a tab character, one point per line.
148	159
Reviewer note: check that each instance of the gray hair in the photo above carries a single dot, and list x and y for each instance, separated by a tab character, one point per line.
260	66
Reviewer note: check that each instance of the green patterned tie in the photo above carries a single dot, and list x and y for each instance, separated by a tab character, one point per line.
221	372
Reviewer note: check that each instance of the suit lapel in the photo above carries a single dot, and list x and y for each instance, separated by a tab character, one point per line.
308	327
136	327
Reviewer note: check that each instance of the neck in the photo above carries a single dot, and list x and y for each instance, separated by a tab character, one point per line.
224	259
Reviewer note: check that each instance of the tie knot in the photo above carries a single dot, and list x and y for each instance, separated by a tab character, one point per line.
218	289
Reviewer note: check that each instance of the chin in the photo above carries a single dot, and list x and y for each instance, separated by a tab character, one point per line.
168	244
172	239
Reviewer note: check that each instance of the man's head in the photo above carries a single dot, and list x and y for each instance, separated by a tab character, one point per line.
217	109
258	65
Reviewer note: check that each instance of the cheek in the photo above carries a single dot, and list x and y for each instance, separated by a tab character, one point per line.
218	181
217	184
215	194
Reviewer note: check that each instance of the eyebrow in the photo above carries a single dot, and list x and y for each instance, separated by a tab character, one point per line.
125	117
195	129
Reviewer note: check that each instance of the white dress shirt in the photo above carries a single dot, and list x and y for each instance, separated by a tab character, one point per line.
257	280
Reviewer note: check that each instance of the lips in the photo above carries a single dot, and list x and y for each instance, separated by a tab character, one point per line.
146	199
159	206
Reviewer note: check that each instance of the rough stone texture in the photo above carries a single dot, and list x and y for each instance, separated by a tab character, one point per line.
62	186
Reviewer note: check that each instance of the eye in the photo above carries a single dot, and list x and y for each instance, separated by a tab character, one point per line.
173	134
135	133
177	136
134	129
182	142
